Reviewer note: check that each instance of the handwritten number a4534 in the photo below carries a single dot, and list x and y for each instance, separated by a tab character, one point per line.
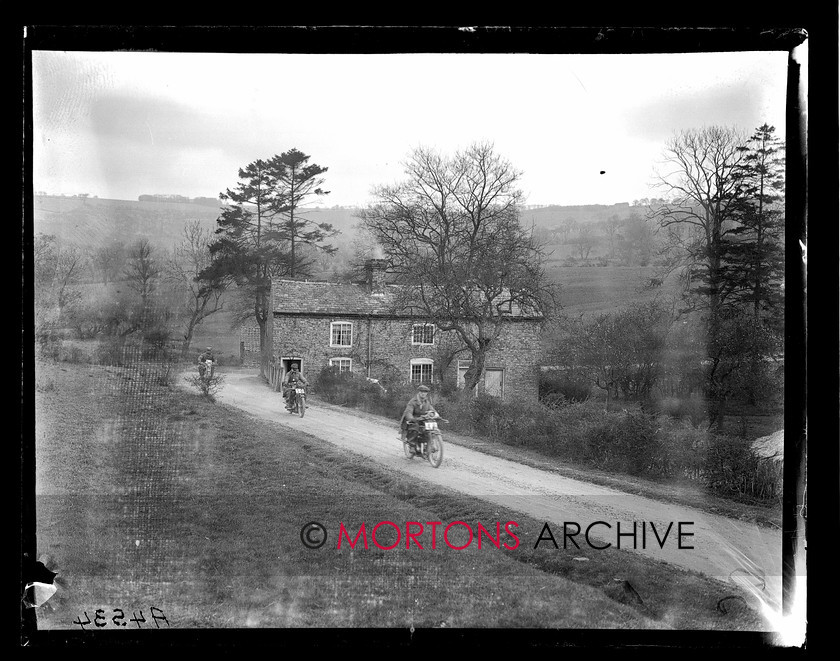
119	620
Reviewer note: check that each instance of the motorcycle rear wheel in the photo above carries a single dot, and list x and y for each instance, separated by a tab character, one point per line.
435	450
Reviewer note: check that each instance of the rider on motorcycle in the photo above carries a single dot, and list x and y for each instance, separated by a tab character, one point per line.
290	381
204	356
416	408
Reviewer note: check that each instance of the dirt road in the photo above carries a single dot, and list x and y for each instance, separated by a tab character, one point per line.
727	549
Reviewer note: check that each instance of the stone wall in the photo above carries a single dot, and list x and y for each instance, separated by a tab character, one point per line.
383	347
517	350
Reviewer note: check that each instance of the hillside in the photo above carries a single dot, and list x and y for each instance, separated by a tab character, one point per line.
553	216
93	221
89	221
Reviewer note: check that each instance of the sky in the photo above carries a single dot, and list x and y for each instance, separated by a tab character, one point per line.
122	124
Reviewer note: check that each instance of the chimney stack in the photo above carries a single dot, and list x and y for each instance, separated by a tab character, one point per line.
375	275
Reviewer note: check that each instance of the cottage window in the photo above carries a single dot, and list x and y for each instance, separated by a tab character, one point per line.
343	364
421	370
423	334
341	334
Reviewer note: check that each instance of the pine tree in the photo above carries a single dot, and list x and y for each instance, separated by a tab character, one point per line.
297	181
754	252
259	231
248	249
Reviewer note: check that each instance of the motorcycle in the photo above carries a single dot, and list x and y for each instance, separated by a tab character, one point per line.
428	442
297	400
205	370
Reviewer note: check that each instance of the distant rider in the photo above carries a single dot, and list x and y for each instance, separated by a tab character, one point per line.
290	381
416	408
203	357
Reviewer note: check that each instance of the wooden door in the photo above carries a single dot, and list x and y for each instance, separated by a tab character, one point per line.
494	381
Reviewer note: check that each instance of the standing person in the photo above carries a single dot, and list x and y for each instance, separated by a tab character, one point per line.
290	381
203	357
415	409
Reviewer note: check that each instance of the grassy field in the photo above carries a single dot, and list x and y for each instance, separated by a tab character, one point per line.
149	496
596	289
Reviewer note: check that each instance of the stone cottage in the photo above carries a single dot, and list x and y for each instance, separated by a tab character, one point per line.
354	327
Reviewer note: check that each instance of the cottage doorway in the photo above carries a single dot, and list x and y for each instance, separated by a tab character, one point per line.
286	365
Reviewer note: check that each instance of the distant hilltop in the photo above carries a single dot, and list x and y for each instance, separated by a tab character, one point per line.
581	207
206	201
554	215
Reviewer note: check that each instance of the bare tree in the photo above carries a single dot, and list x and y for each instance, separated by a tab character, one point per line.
584	242
142	270
623	351
703	191
58	269
106	260
200	297
452	236
70	269
611	226
636	242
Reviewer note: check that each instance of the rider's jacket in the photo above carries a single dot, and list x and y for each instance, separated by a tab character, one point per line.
415	408
205	355
293	377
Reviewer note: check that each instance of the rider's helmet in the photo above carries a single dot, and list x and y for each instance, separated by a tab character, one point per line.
209	348
423	389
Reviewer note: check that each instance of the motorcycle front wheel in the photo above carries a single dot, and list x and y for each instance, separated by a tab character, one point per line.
409	454
301	406
435	450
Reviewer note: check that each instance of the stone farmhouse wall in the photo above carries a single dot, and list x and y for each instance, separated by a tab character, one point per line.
383	346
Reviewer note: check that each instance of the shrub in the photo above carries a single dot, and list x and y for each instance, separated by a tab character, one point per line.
692	409
625	442
392	402
110	351
684	448
48	344
634	441
732	468
571	386
73	354
347	389
156	344
208	388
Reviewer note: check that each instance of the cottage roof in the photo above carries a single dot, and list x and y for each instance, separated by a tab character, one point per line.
304	297
334	298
